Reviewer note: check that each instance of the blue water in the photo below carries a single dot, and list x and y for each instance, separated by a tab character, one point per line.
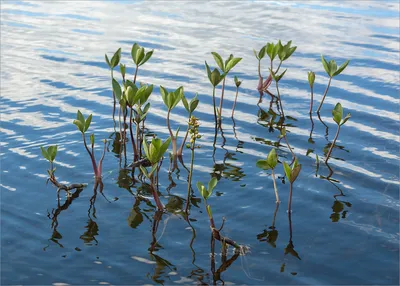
344	225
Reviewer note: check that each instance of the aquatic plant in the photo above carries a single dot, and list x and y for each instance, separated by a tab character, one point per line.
260	55
139	57
215	78
171	99
154	153
83	125
206	193
190	108
112	64
237	84
337	113
270	163
291	175
229	64
332	70
311	79
49	154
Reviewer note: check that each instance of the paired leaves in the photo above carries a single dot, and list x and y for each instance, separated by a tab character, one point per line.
49	153
270	162
276	77
192	105
215	76
337	113
81	123
331	67
237	81
171	99
156	149
114	60
261	54
139	56
229	64
207	192
284	52
292	173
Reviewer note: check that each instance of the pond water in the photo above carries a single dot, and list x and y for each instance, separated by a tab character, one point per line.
344	225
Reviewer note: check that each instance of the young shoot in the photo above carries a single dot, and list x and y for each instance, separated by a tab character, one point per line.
171	99
311	79
237	84
83	125
113	63
206	193
154	153
270	163
291	175
49	154
225	67
215	78
139	57
332	70
337	113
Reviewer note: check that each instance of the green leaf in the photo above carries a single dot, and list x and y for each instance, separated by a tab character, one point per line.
218	60
332	67
337	113
130	96
45	154
164	94
185	104
279	77
257	55
146	149
176	96
208	72
345	119
153	169
139	56
342	67
289	52
146	58
287	169
295	172
231	64
272	51
144	171
193	104
122	68
261	53
146	94
273	74
117	89
272	159
325	64
108	61
87	123
92	139
164	147
146	107
202	190
79	125
215	77
80	117
311	78
263	164
134	50
211	185
116	57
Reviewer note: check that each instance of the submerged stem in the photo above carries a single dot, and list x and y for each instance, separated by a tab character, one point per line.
333	144
132	139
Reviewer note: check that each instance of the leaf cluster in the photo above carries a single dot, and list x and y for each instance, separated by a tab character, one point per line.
337	113
171	99
270	162
156	149
207	192
331	67
49	153
114	60
292	173
82	123
139	56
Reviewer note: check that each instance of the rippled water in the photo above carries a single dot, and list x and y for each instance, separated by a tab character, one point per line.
344	229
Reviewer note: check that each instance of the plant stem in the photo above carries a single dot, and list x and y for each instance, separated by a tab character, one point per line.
173	139
132	139
290	198
333	144
215	111
99	168
222	99
290	148
234	103
180	151
275	188
134	78
190	177
279	97
323	98
155	194
277	68
91	156
312	100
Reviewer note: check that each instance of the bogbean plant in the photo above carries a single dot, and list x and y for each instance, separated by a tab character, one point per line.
229	64
337	113
133	99
83	125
